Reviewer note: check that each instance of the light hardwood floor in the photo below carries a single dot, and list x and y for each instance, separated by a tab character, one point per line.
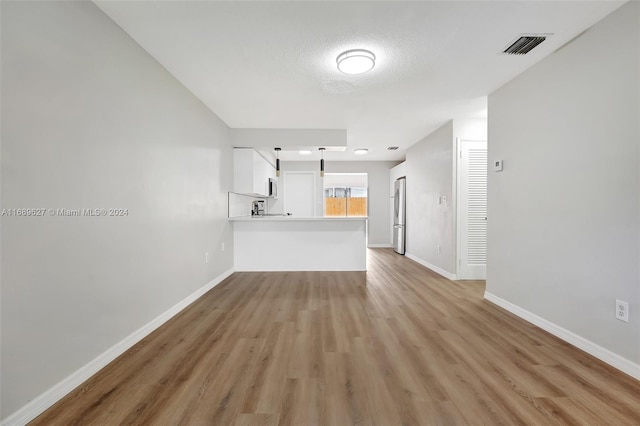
398	345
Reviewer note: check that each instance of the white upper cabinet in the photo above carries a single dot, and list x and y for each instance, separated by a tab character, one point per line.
251	172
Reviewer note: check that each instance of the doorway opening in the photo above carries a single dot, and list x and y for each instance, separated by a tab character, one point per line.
345	194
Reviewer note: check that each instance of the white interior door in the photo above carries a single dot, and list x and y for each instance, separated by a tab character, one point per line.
472	204
299	193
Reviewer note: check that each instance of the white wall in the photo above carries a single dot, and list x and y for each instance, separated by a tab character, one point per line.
564	215
90	120
378	175
471	129
429	171
339	180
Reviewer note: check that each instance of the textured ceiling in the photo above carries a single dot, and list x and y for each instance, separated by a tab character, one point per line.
272	64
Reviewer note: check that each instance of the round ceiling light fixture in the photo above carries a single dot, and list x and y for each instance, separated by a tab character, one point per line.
361	151
356	61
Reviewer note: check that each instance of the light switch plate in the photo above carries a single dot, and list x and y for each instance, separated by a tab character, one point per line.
497	166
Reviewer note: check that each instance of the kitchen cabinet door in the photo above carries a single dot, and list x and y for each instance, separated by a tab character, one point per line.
251	172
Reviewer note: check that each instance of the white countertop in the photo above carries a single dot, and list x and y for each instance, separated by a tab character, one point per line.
291	219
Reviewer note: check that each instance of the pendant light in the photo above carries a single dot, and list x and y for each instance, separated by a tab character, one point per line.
321	161
277	150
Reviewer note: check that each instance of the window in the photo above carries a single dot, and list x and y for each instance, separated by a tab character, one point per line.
345	194
358	192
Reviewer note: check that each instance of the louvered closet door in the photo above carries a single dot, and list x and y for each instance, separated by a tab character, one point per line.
473	210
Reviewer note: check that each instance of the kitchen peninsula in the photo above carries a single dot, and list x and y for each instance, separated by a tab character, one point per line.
289	243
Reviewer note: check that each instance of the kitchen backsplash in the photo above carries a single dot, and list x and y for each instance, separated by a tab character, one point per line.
240	205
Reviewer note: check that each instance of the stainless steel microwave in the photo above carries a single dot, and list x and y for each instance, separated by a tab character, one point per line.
273	188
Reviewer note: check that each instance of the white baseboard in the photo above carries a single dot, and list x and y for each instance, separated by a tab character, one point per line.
329	269
613	359
45	400
379	246
434	268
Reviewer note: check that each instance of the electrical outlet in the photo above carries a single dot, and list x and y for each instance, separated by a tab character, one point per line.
222	247
622	310
206	257
438	248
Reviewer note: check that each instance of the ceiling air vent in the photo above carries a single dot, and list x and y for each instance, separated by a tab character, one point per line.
392	148
524	44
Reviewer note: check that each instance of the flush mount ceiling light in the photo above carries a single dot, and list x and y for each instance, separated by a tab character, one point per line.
304	152
356	61
361	151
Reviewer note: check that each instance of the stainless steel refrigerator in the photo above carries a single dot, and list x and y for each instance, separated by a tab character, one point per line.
399	215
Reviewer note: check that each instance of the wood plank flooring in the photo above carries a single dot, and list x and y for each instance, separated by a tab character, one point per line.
398	345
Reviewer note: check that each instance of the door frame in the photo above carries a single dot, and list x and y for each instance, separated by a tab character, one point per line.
458	199
315	189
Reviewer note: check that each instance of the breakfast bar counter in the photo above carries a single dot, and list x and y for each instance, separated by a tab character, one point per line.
289	243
